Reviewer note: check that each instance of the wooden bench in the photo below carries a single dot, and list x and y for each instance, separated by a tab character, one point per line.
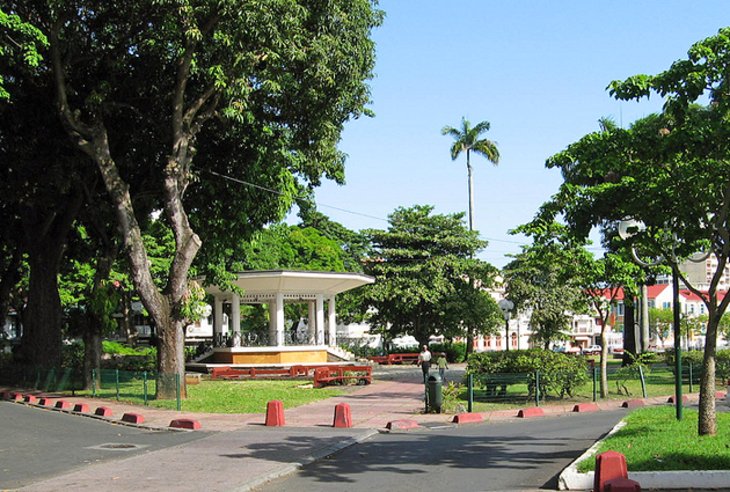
229	373
342	374
410	358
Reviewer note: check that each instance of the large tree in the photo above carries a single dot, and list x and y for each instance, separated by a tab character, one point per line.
670	171
427	281
281	73
594	284
541	280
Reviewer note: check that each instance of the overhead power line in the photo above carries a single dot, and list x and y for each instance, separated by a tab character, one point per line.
352	212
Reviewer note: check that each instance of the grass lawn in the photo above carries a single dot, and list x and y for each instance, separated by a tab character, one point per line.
653	440
248	396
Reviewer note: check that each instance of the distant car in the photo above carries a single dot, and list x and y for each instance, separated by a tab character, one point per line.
591	350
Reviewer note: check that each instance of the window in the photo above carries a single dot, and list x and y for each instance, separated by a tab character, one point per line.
620	308
666	305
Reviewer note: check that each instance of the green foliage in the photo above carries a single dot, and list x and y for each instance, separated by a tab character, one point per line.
660	322
455	351
116	348
20	44
425	270
292	248
73	355
696	358
451	394
539	279
560	374
194	303
466	139
361	351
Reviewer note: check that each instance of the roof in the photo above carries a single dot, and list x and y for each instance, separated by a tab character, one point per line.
653	291
293	283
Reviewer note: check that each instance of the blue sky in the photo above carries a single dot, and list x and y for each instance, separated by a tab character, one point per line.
536	70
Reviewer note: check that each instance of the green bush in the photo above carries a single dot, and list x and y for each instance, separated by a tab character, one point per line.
696	357
125	358
559	373
455	352
72	355
116	348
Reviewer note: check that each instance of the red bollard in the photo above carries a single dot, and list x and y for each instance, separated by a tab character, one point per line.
343	418
609	465
81	408
622	485
274	414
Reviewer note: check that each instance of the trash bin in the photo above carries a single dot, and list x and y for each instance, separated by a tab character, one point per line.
435	395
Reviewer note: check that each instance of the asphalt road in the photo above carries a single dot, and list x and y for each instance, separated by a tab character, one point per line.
506	456
37	443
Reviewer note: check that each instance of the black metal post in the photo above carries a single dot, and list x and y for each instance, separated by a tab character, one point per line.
677	344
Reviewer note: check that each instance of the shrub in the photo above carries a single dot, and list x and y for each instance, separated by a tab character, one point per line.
455	352
560	373
695	357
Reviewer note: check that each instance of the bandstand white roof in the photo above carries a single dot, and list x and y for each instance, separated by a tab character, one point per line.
264	285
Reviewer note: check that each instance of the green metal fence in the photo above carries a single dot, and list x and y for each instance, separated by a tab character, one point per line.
137	387
48	380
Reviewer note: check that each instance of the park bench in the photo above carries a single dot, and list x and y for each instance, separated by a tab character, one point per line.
410	358
390	359
341	375
231	373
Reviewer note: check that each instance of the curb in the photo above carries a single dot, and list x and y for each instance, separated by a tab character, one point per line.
105	419
290	468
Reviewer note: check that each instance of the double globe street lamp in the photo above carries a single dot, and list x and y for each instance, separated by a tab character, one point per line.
507	306
628	228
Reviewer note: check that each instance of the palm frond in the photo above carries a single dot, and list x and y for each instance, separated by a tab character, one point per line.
488	149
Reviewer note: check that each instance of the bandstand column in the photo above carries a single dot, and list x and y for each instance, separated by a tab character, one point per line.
331	321
279	319
217	318
312	324
236	319
320	319
272	322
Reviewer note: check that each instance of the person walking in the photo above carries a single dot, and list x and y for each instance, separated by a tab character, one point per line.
442	365
424	360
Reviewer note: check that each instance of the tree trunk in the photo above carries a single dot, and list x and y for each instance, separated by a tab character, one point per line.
10	277
469	341
45	237
41	343
128	329
92	353
604	361
629	332
95	322
171	360
707	423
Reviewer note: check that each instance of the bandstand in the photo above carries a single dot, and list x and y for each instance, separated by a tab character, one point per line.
317	344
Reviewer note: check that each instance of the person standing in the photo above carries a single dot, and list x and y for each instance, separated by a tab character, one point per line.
424	359
442	365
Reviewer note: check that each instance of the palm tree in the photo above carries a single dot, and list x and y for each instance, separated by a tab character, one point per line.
467	139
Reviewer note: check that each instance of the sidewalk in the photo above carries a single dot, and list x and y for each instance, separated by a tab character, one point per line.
243	453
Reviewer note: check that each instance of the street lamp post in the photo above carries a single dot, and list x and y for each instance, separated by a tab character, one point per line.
628	228
506	306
